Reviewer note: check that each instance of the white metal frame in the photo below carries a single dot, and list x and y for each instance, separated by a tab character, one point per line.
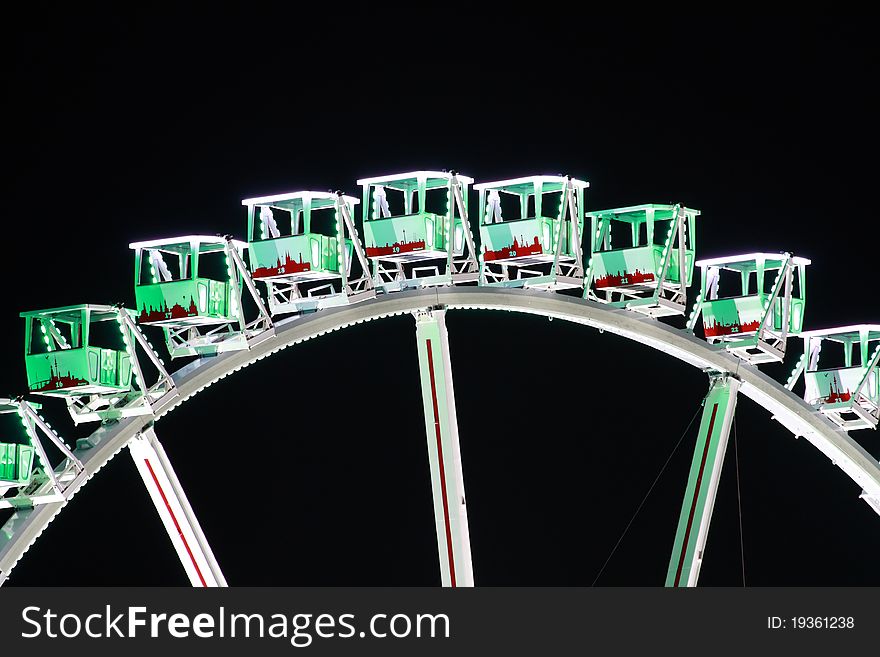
26	525
463	268
49	485
174	510
444	452
110	406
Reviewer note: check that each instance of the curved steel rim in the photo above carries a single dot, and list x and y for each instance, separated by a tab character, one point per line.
26	526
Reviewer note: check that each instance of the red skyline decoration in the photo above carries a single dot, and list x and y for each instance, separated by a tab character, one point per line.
515	250
289	266
165	313
395	249
715	329
626	278
837	397
57	381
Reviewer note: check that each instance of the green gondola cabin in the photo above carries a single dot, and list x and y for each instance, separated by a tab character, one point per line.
27	476
76	351
844	388
643	257
752	303
17	455
16	464
185	281
410	227
528	227
297	246
292	248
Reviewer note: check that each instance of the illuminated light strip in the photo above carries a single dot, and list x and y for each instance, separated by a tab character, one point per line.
288	196
442	469
687	531
176	525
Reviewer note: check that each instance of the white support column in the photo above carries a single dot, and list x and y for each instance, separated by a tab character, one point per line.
699	498
444	455
177	515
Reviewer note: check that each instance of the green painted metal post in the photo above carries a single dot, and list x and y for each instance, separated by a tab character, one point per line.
444	455
699	496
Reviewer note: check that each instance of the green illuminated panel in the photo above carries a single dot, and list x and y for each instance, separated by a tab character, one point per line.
523	237
638	265
16	463
283	256
177	300
77	371
723	317
836	386
796	320
405	234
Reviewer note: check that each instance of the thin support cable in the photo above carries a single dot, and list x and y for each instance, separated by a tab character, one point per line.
648	494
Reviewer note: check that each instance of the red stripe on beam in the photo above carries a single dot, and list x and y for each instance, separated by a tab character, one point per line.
687	531
176	525
442	469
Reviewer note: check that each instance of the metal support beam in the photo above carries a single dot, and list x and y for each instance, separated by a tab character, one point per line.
177	515
699	496
444	455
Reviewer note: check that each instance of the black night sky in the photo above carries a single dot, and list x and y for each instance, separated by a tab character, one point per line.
310	468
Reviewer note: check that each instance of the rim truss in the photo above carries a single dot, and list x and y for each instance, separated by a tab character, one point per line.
803	420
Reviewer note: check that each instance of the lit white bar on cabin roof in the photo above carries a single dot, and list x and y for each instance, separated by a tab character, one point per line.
445	175
639	208
747	257
289	196
76	308
186	239
872	329
530	180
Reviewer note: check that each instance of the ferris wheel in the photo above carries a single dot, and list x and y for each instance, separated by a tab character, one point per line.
419	257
